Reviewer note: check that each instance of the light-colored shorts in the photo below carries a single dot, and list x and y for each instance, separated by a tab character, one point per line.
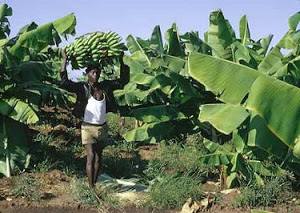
93	134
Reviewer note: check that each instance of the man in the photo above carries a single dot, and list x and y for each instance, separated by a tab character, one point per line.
93	101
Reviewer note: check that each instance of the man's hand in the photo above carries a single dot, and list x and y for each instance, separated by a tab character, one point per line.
64	61
64	54
121	57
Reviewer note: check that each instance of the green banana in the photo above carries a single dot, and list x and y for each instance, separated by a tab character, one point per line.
102	49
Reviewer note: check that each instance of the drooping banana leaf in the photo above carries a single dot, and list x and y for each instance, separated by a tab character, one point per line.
224	117
43	36
18	110
13	146
160	113
27	28
65	25
220	155
147	131
130	95
229	81
277	103
210	70
259	135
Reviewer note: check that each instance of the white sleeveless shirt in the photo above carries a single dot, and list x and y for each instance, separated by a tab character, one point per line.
95	111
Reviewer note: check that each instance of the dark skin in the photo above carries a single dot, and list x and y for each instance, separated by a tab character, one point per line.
93	151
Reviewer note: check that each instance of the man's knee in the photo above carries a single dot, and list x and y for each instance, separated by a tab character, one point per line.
90	154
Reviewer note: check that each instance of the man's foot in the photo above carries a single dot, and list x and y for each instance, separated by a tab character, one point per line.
91	186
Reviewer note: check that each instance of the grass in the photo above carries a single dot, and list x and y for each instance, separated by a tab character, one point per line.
62	151
45	165
175	158
172	191
27	187
100	197
177	173
275	191
82	192
122	162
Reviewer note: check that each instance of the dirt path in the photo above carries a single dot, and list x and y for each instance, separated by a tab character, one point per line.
45	210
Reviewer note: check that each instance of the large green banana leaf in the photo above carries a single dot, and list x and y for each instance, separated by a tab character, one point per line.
147	131
13	137
142	58
278	103
136	65
220	35
18	110
275	61
65	25
42	36
241	53
27	27
259	135
13	146
160	113
133	45
36	71
157	40
229	81
238	164
193	43
174	45
205	69
173	63
224	117
262	45
294	21
38	94
272	62
130	95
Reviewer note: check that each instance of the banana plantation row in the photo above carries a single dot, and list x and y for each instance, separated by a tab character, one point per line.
241	94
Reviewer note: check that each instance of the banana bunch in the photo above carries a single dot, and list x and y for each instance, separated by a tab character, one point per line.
98	48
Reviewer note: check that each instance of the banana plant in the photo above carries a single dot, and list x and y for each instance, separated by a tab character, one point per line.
238	162
160	93
252	96
226	45
158	67
26	76
282	62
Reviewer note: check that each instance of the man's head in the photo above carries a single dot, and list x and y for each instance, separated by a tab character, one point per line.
93	74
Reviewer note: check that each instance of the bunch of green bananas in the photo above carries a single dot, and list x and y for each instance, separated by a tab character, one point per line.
97	49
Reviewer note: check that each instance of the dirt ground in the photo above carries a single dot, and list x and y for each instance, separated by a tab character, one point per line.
56	198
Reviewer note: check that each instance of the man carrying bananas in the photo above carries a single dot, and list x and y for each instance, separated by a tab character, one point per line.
94	100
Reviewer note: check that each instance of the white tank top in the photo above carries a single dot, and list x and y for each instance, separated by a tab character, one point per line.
95	111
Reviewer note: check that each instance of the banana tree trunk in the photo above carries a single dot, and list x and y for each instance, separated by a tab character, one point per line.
7	155
8	168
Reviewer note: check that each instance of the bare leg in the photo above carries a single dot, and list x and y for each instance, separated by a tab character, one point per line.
89	163
98	158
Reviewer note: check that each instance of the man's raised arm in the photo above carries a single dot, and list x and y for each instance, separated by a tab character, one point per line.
65	82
